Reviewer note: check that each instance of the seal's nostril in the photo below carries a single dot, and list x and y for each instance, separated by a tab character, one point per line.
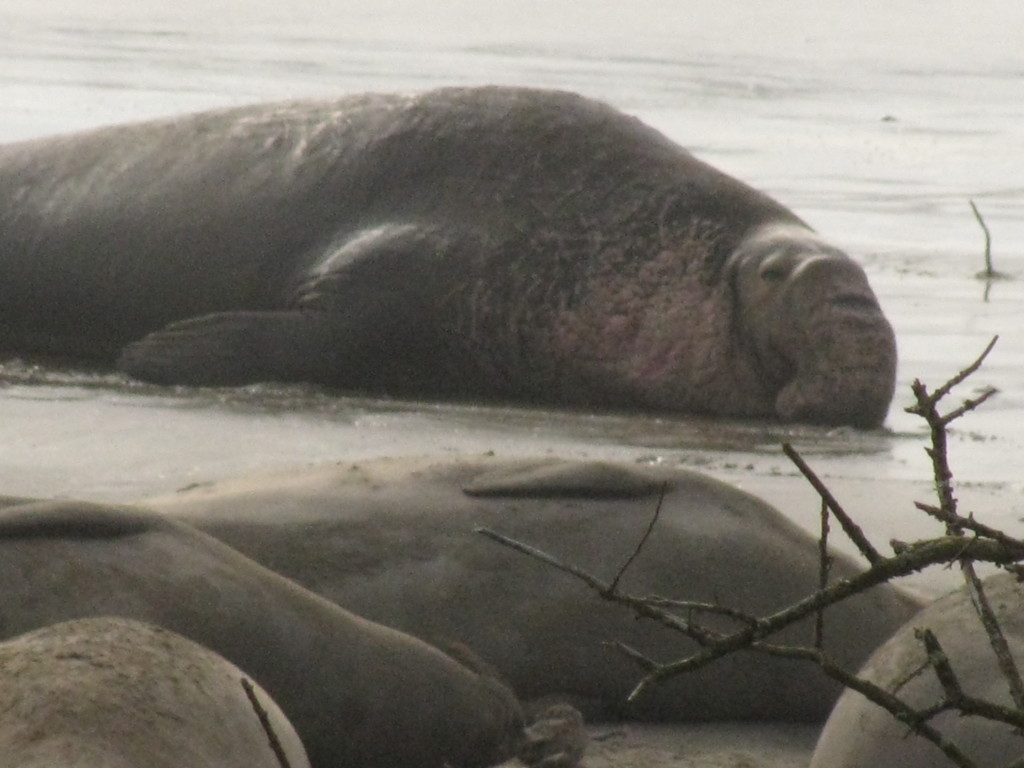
773	273
854	301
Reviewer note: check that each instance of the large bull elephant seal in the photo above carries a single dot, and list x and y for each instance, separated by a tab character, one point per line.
466	242
860	734
110	693
357	693
393	539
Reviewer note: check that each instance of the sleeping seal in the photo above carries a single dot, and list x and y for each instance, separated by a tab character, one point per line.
393	540
487	243
860	734
113	693
358	694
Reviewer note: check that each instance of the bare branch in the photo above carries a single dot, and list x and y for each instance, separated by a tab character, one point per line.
695	606
969	405
538	554
824	565
643	661
946	388
850	528
898	709
753	632
989	272
995	635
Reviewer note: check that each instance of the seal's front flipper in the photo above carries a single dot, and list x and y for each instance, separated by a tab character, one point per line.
230	349
370	315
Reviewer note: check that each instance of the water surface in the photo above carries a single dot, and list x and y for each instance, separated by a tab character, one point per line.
876	122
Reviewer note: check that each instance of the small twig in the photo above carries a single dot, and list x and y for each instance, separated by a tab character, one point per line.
974	526
939	662
643	661
538	554
997	640
643	540
969	405
261	713
927	408
824	565
850	528
955	698
897	708
946	388
989	273
602	588
699	607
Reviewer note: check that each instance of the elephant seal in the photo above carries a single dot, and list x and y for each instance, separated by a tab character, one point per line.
859	734
114	693
392	539
357	693
494	243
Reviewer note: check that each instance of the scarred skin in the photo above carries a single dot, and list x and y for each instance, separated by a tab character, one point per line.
112	693
495	243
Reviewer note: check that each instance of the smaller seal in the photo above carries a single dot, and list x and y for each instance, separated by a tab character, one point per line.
103	692
358	693
393	540
860	734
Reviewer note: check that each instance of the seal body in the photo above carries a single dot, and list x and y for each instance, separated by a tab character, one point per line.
859	734
393	539
115	693
357	693
483	242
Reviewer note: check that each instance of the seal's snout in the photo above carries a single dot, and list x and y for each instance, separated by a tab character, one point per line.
834	281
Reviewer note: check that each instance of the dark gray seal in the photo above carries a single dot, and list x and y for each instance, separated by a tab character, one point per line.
483	242
392	539
359	694
860	734
113	693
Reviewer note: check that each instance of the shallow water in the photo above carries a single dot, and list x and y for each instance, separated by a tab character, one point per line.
876	122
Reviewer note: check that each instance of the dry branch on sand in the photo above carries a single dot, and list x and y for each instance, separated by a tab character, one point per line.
965	541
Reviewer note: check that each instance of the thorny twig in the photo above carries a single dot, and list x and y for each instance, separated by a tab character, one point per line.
850	528
1000	648
824	566
643	539
985	544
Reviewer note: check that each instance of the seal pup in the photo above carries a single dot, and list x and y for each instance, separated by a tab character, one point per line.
114	693
860	734
357	693
392	539
484	243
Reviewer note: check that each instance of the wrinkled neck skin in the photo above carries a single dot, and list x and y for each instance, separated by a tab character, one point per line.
661	337
814	327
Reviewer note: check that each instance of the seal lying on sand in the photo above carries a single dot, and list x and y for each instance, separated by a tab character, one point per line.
860	734
392	539
357	693
107	692
481	242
